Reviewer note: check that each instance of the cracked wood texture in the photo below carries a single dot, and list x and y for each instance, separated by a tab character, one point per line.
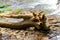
32	18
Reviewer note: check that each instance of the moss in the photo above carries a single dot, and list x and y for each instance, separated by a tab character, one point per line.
44	28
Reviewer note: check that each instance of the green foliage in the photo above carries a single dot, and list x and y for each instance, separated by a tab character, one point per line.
5	9
1	11
18	10
8	9
2	5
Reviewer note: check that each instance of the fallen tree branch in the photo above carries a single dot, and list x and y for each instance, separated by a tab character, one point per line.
20	25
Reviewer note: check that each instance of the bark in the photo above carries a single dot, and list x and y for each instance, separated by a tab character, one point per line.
20	16
20	25
29	21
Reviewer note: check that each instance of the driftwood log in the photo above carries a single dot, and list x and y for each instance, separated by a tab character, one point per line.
31	21
25	15
19	25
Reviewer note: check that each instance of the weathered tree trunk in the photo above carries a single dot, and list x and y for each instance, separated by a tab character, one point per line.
29	21
20	25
